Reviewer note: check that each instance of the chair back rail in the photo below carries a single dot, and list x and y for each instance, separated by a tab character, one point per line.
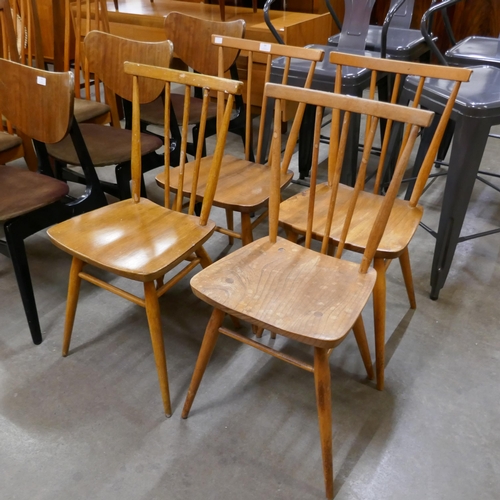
185	32
401	70
34	112
414	118
106	54
167	77
259	52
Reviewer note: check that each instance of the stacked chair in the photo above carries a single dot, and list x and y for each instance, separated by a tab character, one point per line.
476	110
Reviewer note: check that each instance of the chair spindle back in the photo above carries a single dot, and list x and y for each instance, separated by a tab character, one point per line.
341	105
167	77
259	52
400	70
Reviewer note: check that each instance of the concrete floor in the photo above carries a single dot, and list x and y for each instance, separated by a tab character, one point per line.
91	426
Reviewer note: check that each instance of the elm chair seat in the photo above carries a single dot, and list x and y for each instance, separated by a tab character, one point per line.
106	145
475	50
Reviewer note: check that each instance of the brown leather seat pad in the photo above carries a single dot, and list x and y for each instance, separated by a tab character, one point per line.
106	145
22	191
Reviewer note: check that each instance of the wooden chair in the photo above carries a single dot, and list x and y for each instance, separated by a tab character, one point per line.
297	292
406	215
243	184
30	201
188	34
86	16
110	145
136	238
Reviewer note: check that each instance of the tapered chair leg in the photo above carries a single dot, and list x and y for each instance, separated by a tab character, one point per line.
360	335
230	223
207	347
17	253
205	259
379	304
404	261
246	229
154	321
322	383
72	301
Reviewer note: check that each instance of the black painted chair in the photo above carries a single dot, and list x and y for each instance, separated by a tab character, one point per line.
476	110
31	201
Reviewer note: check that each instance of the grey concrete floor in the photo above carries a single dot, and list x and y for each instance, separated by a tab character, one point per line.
91	426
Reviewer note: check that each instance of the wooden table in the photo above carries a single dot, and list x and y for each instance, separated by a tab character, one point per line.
143	20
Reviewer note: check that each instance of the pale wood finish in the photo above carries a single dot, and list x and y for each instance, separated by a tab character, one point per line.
405	215
137	238
305	295
244	185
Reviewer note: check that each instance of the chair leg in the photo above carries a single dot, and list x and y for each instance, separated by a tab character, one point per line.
322	383
207	347
71	302
292	236
404	261
230	223
17	253
246	229
205	259
154	321
360	335
379	304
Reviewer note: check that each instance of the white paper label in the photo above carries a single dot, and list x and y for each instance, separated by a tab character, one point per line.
265	47
41	80
218	39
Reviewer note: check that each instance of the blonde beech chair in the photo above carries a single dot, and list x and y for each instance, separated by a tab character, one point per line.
136	238
406	214
244	184
308	296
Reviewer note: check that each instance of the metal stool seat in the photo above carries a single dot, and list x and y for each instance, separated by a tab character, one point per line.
475	50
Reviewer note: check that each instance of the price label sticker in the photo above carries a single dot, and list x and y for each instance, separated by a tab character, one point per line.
41	80
218	40
265	47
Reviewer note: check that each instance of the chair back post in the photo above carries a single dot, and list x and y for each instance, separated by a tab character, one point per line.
392	19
